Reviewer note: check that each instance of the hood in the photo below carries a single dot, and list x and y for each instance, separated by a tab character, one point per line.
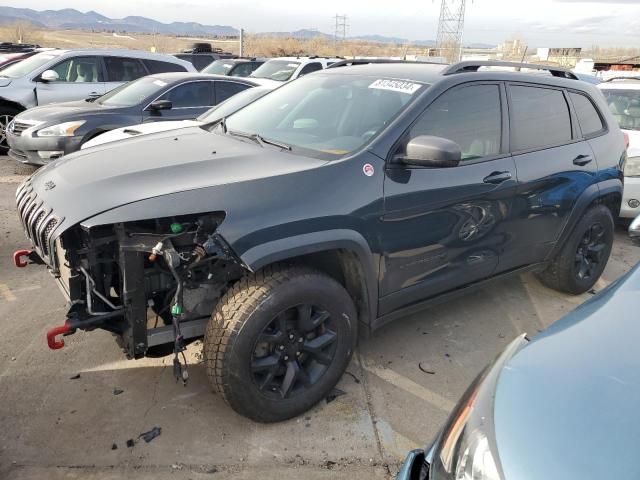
5	82
86	183
63	112
137	130
566	405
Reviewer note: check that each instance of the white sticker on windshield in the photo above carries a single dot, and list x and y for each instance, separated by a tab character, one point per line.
292	65
228	65
160	83
396	86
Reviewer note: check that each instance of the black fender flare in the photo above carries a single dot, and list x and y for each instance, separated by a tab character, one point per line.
592	193
283	249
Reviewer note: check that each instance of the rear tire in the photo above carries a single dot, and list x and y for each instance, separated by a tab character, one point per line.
279	341
584	255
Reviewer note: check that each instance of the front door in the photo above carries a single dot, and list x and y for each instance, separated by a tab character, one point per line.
78	78
555	166
188	101
445	227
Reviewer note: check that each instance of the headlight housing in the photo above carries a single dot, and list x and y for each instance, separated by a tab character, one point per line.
67	129
632	167
466	449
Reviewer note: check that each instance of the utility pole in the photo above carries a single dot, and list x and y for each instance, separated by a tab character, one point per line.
241	42
450	29
340	28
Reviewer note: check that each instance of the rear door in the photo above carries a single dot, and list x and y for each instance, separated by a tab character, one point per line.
445	227
78	78
224	90
120	70
188	101
555	165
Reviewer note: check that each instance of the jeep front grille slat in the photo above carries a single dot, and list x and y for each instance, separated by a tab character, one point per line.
38	221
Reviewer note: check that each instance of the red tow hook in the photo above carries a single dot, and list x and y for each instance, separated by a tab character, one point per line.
54	332
17	258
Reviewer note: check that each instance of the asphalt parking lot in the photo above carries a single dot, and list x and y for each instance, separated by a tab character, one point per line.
397	393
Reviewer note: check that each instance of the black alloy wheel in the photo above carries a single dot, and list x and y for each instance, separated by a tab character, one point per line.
294	351
589	253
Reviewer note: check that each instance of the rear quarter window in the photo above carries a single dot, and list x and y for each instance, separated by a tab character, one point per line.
539	117
588	117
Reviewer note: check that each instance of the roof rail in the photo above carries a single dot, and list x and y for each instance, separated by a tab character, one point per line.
366	61
474	65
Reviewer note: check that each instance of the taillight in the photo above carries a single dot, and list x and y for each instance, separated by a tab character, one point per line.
626	140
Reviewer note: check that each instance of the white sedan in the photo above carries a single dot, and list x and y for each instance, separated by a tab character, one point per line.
623	98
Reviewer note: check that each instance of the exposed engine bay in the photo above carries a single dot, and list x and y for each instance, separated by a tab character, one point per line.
152	283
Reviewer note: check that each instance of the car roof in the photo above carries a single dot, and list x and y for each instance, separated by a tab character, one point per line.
171	77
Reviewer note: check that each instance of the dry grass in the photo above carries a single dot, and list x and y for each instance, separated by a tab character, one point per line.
254	45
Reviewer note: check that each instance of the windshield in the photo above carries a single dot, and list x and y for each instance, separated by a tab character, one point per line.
233	104
325	115
219	67
625	106
132	93
280	70
25	67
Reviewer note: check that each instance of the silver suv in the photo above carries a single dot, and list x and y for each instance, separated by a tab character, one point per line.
65	75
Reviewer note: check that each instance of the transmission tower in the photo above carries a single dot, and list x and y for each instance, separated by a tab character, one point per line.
341	27
450	28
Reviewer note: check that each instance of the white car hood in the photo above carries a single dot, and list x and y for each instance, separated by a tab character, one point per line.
137	130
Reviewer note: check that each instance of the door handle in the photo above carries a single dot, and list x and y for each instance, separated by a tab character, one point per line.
582	160
497	177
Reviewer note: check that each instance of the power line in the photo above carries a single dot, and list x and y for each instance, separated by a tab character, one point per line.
340	32
450	29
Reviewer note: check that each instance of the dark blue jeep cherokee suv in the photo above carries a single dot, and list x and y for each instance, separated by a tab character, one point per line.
339	201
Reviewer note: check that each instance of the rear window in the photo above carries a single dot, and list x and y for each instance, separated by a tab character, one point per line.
158	66
588	117
121	69
539	118
226	90
625	107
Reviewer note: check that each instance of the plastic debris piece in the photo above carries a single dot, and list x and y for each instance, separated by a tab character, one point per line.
333	394
355	379
425	370
75	377
114	447
151	434
117	391
130	443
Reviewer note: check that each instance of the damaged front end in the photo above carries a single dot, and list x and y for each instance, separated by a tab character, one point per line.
153	283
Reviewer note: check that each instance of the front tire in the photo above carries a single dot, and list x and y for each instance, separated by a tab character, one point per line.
279	341
6	115
584	255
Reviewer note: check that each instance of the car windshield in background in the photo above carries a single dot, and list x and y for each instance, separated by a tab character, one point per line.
233	104
325	115
25	67
625	106
219	67
280	70
132	93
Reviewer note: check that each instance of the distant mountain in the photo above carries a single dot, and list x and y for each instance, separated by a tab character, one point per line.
74	19
69	18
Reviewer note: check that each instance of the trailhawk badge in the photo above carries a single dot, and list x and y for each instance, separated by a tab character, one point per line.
49	185
368	170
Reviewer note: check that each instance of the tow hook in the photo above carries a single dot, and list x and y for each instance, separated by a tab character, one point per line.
54	332
20	261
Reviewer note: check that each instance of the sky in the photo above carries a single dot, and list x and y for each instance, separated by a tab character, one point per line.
558	23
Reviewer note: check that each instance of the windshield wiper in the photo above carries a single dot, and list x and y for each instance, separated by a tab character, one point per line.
273	142
259	139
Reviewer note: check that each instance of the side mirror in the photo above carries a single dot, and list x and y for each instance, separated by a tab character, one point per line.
49	76
634	231
434	152
160	105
